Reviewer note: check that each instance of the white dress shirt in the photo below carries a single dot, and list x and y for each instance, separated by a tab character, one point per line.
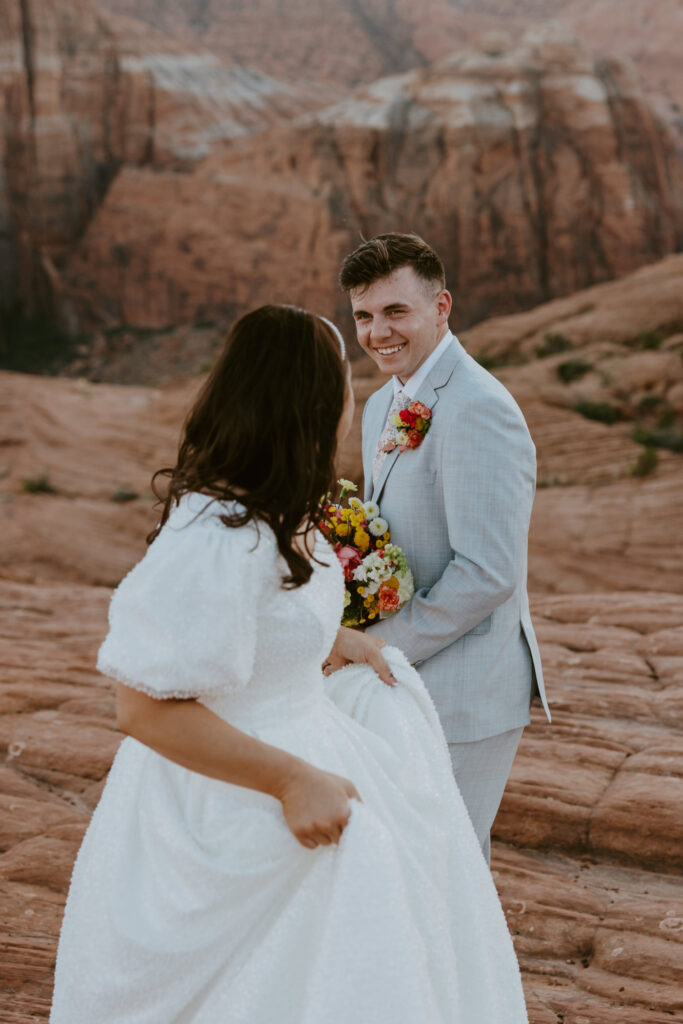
412	385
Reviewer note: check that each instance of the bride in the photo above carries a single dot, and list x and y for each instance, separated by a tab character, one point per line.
273	846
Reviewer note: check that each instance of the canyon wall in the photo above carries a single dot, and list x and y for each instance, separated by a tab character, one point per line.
535	171
81	97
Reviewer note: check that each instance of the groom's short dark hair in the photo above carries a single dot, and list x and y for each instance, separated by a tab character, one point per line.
380	256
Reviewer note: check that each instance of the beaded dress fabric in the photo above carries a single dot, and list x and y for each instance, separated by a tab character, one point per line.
192	903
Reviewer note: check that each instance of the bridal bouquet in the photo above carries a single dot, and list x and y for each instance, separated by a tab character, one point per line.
378	580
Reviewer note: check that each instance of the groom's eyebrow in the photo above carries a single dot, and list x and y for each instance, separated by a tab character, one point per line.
385	309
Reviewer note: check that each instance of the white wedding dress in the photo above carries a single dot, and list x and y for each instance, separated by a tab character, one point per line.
192	903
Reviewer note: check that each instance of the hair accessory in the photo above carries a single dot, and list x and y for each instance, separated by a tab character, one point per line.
337	333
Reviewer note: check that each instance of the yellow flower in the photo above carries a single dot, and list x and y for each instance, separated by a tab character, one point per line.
346	513
343	530
361	540
387	537
347	487
361	590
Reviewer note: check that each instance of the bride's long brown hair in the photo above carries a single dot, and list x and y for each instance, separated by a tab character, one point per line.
263	430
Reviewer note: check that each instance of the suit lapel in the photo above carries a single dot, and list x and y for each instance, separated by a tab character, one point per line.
428	393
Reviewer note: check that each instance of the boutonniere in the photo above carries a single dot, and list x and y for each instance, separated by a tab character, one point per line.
409	427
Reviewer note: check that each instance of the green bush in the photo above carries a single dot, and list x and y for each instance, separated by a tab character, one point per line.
667	418
38	484
646	403
670	439
646	462
603	412
123	494
553	345
650	339
490	362
573	369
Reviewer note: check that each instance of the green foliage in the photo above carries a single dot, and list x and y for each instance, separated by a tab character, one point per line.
647	403
38	484
650	339
573	369
671	439
554	480
667	418
646	462
490	362
603	412
123	494
553	345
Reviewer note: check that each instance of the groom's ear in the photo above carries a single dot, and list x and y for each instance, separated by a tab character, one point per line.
444	304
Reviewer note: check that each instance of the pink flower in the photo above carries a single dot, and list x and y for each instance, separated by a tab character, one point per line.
350	559
388	598
414	439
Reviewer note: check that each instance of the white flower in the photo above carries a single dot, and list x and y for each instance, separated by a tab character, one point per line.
378	526
406	586
360	573
371	509
356	503
347	598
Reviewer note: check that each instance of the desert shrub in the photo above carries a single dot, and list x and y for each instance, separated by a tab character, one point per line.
123	494
603	412
667	418
650	339
646	462
670	439
489	361
573	369
38	484
646	403
554	480
553	345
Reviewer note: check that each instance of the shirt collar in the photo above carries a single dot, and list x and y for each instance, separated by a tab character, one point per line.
412	385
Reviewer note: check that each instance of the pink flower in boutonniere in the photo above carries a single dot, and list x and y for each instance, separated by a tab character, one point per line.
409	427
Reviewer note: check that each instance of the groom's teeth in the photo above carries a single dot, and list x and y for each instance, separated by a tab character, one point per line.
390	351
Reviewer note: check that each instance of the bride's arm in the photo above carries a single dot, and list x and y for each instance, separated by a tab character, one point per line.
315	803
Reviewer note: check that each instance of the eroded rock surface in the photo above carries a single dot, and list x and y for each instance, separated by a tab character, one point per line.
540	162
588	841
81	97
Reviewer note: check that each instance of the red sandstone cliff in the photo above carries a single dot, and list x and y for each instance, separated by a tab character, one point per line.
535	172
347	42
80	98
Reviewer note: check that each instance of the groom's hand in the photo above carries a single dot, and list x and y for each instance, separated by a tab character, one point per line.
355	647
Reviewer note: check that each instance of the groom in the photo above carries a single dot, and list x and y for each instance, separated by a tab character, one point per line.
459	506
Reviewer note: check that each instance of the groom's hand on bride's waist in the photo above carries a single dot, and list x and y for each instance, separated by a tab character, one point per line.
352	646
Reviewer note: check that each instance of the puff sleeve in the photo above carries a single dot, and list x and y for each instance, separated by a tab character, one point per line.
183	623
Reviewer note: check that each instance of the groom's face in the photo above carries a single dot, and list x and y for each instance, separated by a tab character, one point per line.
400	319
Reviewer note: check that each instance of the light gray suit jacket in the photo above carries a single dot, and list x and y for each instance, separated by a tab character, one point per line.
459	506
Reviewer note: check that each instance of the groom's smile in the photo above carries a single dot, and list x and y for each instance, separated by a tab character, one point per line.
400	319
